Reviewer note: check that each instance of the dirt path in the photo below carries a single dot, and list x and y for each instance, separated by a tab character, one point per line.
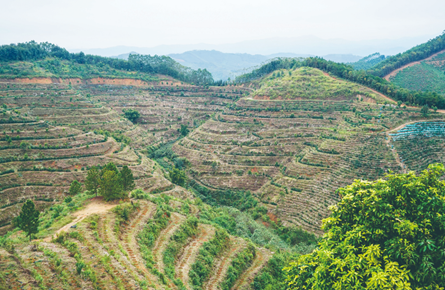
191	252
222	266
395	72
262	256
96	206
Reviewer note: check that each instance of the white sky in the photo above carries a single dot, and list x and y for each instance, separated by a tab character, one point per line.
147	23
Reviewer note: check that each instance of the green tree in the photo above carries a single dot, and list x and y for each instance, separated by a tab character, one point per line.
75	187
387	234
110	186
92	182
184	130
28	219
131	115
109	167
424	110
178	176
24	145
127	179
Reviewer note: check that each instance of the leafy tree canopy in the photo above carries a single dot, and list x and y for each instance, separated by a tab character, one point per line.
387	234
127	178
178	176
75	188
131	115
32	51
28	220
347	72
110	186
184	130
92	181
109	167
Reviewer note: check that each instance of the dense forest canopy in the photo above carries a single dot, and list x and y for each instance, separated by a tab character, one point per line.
416	53
347	72
33	51
368	61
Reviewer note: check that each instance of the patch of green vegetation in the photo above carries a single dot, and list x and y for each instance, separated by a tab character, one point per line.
151	232
201	269
239	264
188	229
388	233
308	83
421	77
272	276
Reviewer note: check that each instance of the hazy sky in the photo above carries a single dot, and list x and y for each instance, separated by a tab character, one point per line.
146	23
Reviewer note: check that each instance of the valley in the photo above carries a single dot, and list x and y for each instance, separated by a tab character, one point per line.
232	181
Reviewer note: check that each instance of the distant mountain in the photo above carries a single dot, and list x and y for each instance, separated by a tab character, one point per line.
228	65
368	61
296	45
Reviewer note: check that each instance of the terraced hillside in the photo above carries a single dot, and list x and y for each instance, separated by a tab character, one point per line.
426	75
273	150
293	154
419	144
290	139
164	243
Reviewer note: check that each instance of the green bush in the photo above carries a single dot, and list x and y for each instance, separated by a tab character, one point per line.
387	234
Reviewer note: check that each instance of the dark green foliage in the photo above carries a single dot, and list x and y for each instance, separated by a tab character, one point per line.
54	55
92	181
75	188
210	250
293	235
389	233
111	186
240	199
28	219
184	130
347	72
127	179
272	276
109	167
178	176
424	111
131	115
368	61
239	264
416	53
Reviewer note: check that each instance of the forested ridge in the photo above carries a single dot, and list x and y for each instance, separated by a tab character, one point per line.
33	51
416	53
347	72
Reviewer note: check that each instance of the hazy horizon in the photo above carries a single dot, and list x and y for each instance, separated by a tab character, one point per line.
102	24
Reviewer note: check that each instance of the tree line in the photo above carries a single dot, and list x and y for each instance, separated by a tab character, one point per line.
109	182
345	71
416	53
33	51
